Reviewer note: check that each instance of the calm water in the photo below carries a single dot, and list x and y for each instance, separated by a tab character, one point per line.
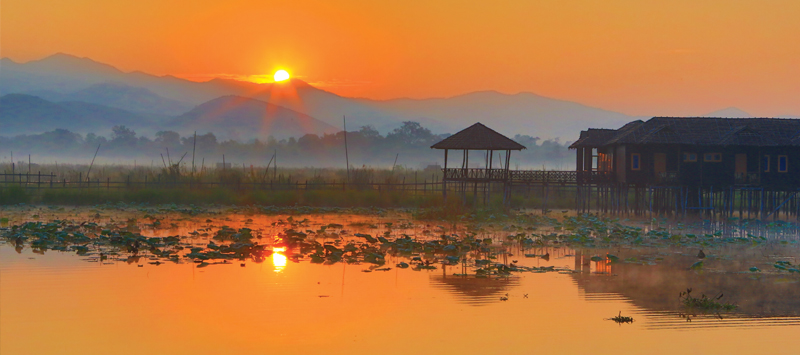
63	303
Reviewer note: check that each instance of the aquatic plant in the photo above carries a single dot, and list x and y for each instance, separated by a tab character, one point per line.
621	319
704	303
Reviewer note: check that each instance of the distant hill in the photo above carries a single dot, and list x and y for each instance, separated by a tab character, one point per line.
61	73
26	114
245	118
730	112
523	113
122	96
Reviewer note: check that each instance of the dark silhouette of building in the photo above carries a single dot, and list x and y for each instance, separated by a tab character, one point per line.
693	151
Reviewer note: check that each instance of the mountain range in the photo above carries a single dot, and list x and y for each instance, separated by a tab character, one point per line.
27	114
251	117
73	92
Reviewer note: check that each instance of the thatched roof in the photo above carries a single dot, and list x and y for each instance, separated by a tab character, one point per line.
594	137
760	132
478	137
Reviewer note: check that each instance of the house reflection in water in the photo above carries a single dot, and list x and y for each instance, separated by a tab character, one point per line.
655	288
584	264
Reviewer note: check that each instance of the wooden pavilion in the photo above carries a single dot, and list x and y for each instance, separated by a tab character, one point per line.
481	138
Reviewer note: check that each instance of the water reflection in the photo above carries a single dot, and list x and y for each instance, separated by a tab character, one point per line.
278	258
654	280
649	279
475	290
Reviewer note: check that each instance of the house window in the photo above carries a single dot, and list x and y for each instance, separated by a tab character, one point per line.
636	161
690	157
783	164
712	157
604	162
766	164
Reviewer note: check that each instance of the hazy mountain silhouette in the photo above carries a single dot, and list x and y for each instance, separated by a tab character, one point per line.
26	114
523	113
731	112
122	96
62	73
245	118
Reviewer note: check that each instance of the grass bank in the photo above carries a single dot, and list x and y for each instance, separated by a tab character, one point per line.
314	198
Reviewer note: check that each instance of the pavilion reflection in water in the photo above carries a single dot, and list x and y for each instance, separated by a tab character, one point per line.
474	290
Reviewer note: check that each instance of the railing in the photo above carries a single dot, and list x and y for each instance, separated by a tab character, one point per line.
667	177
595	177
539	176
475	174
530	176
51	181
746	179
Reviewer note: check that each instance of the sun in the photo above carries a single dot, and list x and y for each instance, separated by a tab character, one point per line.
281	75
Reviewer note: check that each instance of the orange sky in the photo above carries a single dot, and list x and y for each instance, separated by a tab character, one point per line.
671	57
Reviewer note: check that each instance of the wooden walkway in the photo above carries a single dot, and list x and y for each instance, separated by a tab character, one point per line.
528	177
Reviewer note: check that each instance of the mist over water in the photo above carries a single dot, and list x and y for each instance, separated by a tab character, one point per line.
407	146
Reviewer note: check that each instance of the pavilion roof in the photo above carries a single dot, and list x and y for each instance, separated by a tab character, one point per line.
478	137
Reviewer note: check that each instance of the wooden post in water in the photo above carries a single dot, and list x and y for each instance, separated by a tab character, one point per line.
415	183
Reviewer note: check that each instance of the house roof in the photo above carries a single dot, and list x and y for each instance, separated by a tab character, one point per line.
478	137
761	132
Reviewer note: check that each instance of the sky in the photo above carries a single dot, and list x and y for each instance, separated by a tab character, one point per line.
637	57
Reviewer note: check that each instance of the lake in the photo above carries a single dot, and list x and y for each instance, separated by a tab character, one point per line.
201	280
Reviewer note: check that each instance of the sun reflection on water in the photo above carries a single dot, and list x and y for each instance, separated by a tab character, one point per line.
278	259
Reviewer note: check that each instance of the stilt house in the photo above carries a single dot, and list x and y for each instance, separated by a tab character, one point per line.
693	151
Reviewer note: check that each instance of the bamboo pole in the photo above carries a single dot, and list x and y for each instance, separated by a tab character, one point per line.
92	164
194	146
346	156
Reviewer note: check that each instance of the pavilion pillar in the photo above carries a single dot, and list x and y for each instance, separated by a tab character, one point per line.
507	178
508	163
444	176
579	164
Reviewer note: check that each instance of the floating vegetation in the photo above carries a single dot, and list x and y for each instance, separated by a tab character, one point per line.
480	244
783	265
704	303
619	319
697	266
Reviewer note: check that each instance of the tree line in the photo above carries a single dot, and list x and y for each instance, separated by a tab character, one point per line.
407	145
